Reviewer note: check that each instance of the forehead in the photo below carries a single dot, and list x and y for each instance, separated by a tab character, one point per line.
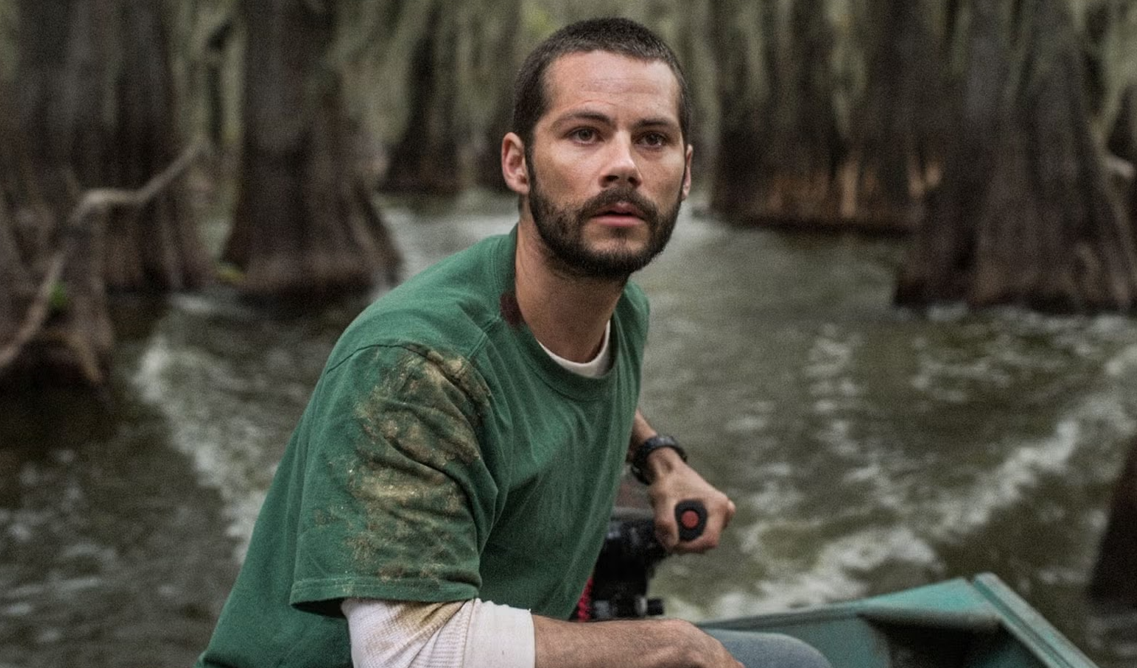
610	79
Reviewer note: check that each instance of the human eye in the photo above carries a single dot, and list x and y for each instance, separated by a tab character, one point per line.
655	139
584	135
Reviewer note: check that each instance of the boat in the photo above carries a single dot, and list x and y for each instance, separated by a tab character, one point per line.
976	622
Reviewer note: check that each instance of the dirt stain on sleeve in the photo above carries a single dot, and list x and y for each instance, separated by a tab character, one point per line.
429	406
420	422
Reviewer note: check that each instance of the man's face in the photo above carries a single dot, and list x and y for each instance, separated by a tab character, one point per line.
608	166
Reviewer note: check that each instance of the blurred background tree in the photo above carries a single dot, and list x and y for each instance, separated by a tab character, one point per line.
89	102
1026	214
1000	135
304	222
996	138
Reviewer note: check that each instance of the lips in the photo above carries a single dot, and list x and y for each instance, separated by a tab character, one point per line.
619	210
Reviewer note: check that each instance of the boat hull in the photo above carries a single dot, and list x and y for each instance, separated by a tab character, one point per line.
977	623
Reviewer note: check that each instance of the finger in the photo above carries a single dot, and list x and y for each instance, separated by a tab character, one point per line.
720	517
666	531
666	528
708	541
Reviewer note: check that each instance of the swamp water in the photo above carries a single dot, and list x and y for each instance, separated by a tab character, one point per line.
868	449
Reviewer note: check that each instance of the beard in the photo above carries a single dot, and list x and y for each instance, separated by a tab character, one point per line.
562	231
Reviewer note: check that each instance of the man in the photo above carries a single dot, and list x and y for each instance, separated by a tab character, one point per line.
448	487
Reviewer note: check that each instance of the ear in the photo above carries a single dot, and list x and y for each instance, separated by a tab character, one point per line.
513	166
687	172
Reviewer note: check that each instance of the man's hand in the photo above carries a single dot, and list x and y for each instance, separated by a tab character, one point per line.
668	643
674	481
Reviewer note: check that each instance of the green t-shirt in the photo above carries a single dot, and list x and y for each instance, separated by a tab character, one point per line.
443	456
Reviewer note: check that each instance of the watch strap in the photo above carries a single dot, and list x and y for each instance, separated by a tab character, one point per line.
638	465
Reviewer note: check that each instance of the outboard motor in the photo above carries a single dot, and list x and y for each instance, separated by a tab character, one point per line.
627	561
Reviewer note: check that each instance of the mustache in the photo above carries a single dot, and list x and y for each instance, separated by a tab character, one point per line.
622	194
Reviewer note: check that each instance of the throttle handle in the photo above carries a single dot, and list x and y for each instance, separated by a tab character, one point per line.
691	515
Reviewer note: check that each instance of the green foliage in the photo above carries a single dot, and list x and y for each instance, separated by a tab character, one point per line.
58	300
230	274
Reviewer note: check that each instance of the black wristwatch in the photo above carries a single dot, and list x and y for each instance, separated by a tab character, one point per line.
639	457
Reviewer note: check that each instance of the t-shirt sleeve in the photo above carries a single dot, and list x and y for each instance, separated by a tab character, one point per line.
397	498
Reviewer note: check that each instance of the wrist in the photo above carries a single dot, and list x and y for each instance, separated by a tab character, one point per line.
663	462
655	457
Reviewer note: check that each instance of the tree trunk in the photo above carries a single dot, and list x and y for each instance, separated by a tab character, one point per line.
54	324
737	165
899	130
40	122
302	224
1114	579
93	109
426	158
1025	214
106	108
16	287
779	144
487	152
1123	144
460	75
495	48
214	89
155	247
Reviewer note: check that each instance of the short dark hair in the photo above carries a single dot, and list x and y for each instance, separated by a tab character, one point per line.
614	35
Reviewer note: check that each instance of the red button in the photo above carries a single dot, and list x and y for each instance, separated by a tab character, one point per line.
689	519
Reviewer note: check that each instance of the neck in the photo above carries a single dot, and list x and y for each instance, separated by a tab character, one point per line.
567	314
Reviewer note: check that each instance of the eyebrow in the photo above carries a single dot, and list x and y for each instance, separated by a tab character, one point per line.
658	122
604	119
583	115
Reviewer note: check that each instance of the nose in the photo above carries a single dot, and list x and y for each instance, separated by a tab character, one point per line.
621	167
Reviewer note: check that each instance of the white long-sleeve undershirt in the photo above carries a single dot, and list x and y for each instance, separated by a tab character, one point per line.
458	634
